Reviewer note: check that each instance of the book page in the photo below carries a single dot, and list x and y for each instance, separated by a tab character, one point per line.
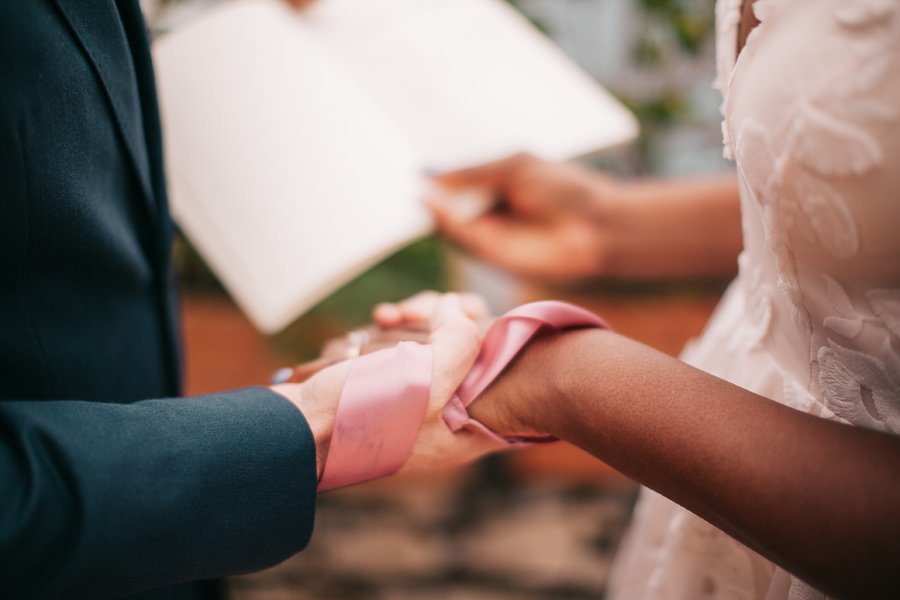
287	179
296	141
471	80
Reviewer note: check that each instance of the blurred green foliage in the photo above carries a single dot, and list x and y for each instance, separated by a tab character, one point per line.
673	30
656	114
419	266
688	23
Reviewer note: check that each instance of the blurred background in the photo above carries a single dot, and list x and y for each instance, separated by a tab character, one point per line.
543	522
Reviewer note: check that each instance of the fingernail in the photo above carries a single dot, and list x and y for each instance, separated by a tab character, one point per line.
282	375
433	171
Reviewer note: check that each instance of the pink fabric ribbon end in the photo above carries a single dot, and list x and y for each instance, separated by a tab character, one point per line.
379	414
502	343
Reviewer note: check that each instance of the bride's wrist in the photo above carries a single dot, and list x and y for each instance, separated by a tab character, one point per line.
525	401
535	394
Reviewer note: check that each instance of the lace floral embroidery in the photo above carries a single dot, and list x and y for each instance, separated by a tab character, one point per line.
845	321
762	173
758	299
886	305
825	216
799	398
860	388
802	591
826	119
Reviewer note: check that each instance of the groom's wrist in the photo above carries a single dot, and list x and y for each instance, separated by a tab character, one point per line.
319	417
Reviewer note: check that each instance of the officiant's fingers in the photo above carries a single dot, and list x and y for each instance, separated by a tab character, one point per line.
506	243
487	236
494	176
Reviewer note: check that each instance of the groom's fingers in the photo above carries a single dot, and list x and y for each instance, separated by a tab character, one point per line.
387	314
456	339
475	306
372	339
414	309
419	309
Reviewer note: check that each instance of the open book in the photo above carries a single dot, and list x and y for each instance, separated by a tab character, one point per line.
297	143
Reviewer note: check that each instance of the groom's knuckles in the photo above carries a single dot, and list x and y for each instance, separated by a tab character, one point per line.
420	306
474	306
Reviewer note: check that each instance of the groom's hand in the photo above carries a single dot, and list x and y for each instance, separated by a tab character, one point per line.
418	311
355	343
448	322
405	321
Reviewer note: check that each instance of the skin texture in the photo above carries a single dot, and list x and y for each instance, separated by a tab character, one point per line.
752	467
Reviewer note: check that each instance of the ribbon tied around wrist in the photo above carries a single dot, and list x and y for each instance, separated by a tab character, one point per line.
386	394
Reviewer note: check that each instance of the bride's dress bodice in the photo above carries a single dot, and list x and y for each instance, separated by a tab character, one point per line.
812	120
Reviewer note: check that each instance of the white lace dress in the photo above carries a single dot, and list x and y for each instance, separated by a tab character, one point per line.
812	119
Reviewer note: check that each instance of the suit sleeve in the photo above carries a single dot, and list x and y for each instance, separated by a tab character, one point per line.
103	500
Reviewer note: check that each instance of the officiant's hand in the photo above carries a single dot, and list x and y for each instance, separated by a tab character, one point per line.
549	222
563	222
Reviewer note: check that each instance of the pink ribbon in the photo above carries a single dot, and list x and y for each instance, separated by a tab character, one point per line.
503	341
379	415
386	394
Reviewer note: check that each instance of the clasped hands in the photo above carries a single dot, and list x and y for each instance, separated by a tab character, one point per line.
454	325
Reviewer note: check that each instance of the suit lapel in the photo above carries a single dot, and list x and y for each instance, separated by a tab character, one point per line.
97	27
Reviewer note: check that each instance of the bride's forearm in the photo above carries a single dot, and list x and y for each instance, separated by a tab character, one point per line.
816	497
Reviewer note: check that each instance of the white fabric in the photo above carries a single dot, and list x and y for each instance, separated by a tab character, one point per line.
812	119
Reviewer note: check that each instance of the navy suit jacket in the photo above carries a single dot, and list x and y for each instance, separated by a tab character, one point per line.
103	492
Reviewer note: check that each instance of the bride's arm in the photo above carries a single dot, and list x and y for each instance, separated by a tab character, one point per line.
819	498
